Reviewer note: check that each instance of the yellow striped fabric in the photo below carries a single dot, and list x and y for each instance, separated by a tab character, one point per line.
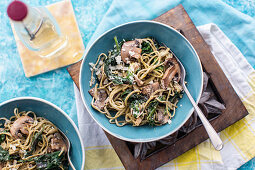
239	138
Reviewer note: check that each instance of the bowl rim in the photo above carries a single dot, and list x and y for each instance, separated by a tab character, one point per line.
60	110
119	136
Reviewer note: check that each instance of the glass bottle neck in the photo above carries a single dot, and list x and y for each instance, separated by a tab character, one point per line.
33	20
39	31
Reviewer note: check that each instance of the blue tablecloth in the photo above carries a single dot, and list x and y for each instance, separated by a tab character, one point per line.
57	86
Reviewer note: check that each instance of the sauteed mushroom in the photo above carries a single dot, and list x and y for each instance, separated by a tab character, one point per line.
172	72
57	143
18	128
100	98
130	49
149	89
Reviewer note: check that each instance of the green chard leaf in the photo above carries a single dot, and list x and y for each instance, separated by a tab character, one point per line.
151	110
4	155
125	93
115	78
49	161
162	98
2	137
36	138
146	48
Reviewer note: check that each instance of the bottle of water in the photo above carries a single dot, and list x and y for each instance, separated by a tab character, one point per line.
37	29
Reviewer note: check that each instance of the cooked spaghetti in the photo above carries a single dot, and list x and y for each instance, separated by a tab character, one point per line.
31	142
138	83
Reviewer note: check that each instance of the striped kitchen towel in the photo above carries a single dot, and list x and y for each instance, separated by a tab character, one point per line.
239	139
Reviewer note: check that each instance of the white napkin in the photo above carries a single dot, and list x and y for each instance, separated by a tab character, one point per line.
237	70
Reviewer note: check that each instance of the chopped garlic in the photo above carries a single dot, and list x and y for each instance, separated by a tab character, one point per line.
92	64
136	113
98	72
13	147
118	59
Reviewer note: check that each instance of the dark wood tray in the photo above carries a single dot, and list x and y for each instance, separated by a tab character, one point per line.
235	110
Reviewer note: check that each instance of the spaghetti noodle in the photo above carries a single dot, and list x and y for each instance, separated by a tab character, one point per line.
31	142
138	83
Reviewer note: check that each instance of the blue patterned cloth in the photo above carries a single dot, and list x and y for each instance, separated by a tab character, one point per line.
55	86
95	16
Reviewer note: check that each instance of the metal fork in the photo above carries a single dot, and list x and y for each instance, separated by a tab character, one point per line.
214	137
68	145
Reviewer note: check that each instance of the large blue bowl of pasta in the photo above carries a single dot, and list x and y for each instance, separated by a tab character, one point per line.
52	113
151	112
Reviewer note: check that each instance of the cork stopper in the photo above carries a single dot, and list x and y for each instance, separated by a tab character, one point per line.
17	10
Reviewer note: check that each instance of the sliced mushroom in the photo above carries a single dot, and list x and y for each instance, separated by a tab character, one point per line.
130	49
101	99
172	72
162	118
57	143
168	76
172	61
149	89
18	128
91	92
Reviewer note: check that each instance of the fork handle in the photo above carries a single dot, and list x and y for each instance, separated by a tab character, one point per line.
214	137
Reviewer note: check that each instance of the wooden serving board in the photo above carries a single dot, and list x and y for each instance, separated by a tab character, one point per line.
235	110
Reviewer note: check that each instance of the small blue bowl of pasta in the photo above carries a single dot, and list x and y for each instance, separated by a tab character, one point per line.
135	93
37	121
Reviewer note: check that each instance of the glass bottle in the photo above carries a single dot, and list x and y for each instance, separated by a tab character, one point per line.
37	29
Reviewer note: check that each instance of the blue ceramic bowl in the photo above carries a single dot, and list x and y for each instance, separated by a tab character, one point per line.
182	49
54	114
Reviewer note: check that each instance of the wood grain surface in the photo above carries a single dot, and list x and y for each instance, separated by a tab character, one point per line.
235	110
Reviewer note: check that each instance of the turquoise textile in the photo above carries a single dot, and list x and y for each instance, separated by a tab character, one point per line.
95	16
